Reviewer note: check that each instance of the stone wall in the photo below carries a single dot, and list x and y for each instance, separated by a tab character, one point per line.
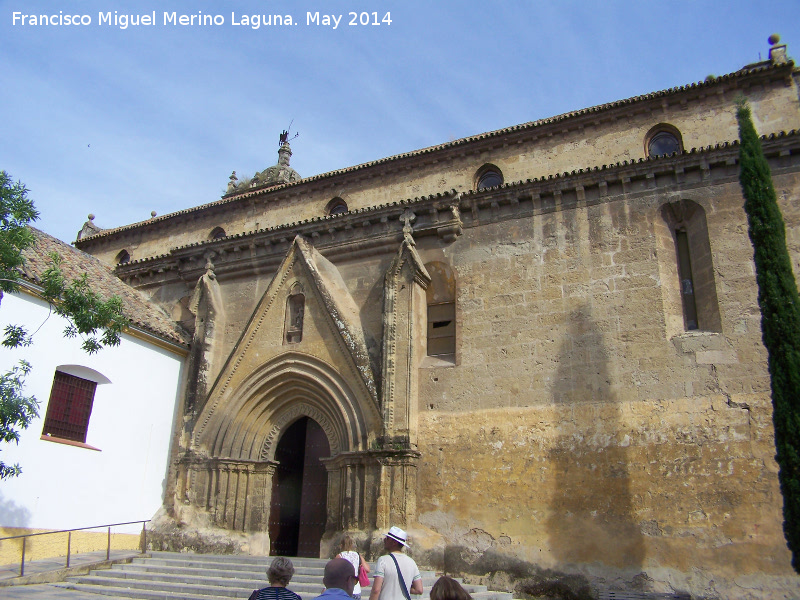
577	428
579	425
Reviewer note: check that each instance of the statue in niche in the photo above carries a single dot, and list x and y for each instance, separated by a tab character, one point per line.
295	309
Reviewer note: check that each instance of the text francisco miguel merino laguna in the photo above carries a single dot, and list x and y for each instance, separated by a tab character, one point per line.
199	19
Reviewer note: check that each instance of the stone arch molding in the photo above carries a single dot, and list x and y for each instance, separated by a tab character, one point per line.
296	412
247	425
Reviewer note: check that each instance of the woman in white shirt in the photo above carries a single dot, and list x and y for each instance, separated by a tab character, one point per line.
348	552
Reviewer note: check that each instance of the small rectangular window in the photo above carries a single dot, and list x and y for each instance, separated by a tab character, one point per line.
69	408
441	329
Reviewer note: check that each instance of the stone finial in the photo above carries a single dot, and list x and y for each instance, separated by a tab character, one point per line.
89	228
209	267
232	181
777	51
407	218
284	154
277	174
153	214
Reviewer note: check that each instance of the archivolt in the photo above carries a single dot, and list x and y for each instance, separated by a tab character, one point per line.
290	387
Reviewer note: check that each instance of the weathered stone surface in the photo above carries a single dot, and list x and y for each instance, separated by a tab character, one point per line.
584	434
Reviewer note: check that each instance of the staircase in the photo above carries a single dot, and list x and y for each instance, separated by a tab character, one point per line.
170	575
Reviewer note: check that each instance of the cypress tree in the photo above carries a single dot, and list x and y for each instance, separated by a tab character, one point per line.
780	317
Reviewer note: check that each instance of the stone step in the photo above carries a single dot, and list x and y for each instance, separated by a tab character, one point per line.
140	578
242	559
97	584
257	570
256	575
232	571
138	594
223	561
167	575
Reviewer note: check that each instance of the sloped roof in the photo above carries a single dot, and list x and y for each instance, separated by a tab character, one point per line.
763	68
145	315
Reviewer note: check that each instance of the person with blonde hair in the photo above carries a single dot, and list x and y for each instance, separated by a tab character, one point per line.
347	551
279	574
447	588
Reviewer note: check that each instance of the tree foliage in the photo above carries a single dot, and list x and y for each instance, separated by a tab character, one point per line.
16	411
16	212
98	322
780	317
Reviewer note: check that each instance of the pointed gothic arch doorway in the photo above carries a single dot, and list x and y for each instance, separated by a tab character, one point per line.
298	511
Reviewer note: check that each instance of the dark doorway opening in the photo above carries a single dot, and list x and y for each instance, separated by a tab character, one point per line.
298	510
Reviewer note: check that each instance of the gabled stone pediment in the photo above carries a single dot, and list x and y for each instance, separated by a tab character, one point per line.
330	332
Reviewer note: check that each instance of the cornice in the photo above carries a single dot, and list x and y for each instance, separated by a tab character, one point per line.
379	229
517	134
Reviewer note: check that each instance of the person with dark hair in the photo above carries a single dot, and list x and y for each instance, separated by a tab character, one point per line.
279	574
339	580
447	588
395	572
347	551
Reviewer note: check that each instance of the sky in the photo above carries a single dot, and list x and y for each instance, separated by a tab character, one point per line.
120	122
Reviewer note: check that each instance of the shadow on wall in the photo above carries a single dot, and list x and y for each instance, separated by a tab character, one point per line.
13	519
12	514
591	516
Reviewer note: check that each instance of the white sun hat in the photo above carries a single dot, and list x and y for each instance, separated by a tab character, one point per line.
398	535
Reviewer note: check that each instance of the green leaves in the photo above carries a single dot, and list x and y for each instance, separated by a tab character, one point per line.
100	323
16	336
16	411
780	316
16	211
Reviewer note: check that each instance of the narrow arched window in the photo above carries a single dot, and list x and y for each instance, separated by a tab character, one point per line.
488	176
663	140
123	258
337	206
295	313
441	301
693	265
217	233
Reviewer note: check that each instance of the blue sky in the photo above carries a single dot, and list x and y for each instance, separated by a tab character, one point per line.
121	122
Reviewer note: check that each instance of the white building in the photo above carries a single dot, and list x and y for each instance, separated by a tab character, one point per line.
100	450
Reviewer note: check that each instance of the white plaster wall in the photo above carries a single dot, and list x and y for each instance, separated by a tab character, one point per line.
131	424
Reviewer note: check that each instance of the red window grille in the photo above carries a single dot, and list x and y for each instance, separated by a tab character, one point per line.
69	408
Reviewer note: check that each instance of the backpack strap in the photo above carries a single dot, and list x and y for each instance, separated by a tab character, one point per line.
400	577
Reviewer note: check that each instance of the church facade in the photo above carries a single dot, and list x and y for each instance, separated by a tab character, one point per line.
536	348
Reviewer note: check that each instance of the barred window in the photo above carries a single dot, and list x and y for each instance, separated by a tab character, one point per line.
69	408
